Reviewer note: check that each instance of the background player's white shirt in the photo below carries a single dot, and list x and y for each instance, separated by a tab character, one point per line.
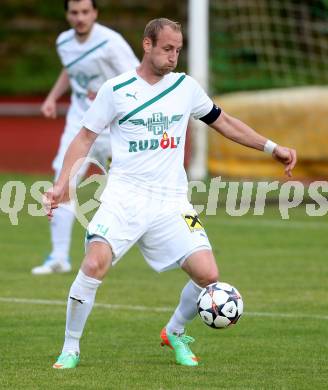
105	54
148	129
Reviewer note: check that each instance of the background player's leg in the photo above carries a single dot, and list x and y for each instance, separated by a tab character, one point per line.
61	231
62	222
61	227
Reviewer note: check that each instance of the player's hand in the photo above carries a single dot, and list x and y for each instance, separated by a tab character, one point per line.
52	198
49	109
287	157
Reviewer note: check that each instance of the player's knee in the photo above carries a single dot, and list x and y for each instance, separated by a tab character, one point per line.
211	276
92	265
95	266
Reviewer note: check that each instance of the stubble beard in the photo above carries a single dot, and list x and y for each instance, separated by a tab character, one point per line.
162	71
83	34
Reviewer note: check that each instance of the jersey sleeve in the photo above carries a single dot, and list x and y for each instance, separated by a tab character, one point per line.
120	56
102	110
201	103
62	40
59	41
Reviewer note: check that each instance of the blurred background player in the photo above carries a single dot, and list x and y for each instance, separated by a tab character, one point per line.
90	54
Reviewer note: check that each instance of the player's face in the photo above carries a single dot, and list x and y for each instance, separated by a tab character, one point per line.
81	16
163	57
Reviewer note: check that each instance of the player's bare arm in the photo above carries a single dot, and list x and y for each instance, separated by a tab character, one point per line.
74	156
237	131
49	107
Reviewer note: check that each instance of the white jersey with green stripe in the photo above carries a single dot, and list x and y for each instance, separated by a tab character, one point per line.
148	126
105	54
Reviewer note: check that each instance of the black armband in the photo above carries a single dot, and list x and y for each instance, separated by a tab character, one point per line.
212	116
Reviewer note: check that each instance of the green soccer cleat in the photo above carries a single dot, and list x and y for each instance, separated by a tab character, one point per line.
67	360
179	344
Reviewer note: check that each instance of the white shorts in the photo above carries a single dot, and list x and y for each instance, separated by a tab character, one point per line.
100	150
167	232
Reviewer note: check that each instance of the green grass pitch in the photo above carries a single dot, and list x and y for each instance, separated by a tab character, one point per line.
280	267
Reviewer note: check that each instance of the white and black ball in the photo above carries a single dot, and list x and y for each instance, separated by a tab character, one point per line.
220	305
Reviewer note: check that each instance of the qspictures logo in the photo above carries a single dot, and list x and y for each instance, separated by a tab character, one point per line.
235	198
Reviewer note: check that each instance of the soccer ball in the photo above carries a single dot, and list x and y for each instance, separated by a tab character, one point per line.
220	305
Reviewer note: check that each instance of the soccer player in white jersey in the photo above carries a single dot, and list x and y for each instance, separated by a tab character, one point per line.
145	200
90	54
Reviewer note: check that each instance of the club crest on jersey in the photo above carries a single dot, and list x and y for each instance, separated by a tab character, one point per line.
158	123
83	79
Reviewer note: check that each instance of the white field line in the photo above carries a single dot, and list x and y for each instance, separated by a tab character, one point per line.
156	309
